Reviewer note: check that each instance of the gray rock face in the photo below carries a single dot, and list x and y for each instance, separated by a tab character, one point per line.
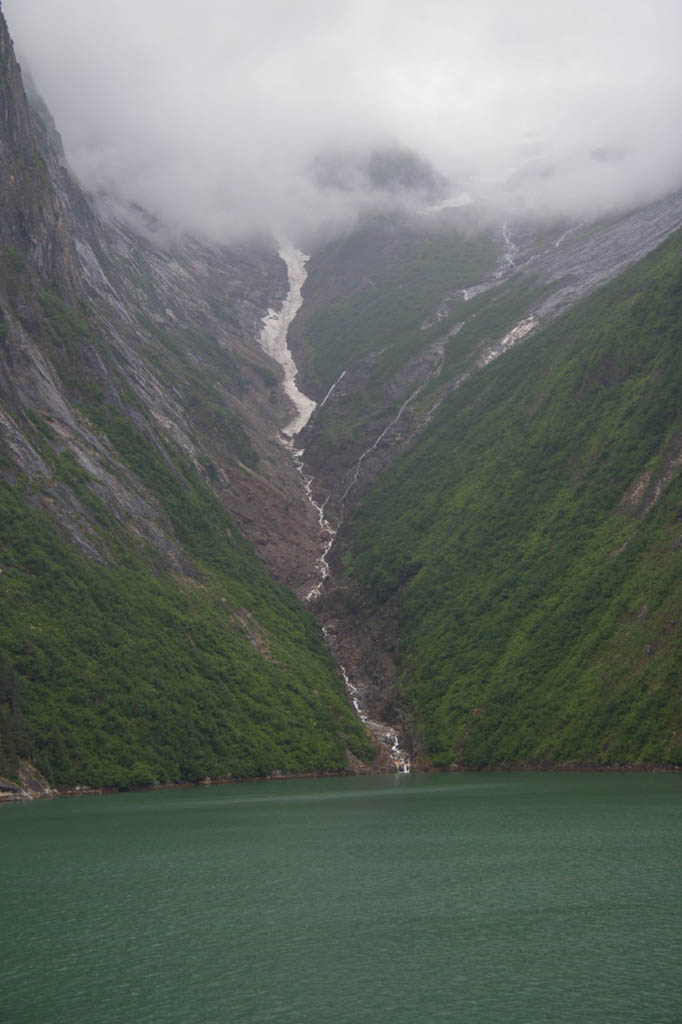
101	307
568	265
31	785
540	276
588	256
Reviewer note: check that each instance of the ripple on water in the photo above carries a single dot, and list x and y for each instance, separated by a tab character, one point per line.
474	898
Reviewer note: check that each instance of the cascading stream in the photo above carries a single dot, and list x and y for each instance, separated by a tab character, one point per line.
273	340
509	253
355	472
273	337
386	733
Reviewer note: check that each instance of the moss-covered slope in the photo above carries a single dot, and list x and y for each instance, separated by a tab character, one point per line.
533	536
128	674
141	638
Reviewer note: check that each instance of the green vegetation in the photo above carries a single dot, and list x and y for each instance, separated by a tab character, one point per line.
14	741
65	326
126	660
12	266
120	675
368	298
540	607
196	363
127	674
394	276
539	588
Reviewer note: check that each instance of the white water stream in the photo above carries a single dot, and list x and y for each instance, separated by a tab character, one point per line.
386	733
509	252
516	334
355	472
273	339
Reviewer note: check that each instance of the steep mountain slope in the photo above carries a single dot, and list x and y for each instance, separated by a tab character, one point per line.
505	575
402	310
141	639
512	583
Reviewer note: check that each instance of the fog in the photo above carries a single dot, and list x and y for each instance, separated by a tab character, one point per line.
219	116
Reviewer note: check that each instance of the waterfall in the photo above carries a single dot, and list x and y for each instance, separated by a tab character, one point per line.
273	340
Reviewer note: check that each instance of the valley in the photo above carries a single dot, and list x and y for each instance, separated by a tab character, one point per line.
409	498
368	632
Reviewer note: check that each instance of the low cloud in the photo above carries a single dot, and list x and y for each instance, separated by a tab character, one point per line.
230	118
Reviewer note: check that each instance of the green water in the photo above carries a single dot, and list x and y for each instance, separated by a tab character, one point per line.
477	899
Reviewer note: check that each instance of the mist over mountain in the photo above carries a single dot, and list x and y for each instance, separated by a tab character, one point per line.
473	558
232	120
383	170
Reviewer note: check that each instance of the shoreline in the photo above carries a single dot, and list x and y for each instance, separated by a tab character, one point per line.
16	795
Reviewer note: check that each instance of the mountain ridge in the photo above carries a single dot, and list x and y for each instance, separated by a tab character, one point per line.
147	500
141	639
486	527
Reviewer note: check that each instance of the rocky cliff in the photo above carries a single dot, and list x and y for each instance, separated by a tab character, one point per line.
468	437
139	423
99	302
505	579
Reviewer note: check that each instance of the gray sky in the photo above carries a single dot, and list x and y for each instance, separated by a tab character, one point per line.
211	114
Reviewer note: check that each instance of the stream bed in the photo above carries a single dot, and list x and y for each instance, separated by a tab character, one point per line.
273	340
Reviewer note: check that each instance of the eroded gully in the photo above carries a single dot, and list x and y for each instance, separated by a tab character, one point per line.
273	339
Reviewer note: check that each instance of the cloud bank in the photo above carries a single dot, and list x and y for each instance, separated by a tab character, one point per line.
218	117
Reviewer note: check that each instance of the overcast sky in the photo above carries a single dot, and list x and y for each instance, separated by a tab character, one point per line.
212	113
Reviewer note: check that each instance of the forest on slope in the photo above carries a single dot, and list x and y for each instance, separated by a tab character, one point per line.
141	638
517	566
531	542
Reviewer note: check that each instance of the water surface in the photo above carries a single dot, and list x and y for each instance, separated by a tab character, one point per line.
479	899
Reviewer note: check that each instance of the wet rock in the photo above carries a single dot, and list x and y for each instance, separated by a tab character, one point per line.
30	785
9	790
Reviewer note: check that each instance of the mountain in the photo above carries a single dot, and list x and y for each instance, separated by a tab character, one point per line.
485	519
380	172
504	479
141	637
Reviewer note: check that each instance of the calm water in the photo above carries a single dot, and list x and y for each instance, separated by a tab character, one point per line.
476	899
